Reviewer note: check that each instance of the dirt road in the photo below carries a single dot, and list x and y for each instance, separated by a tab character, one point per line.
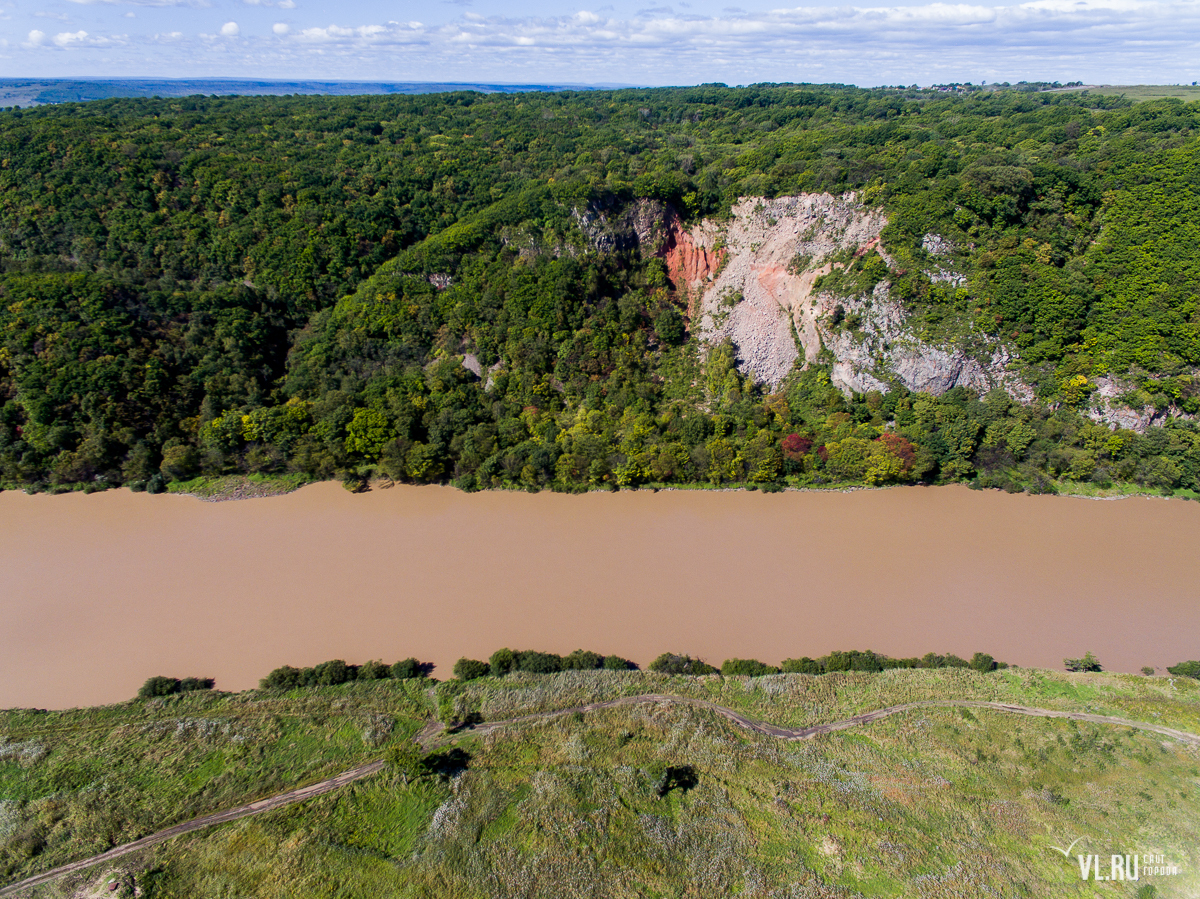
807	733
433	734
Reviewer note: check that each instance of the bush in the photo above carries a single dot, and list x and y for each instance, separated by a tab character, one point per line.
158	686
188	684
853	660
538	662
283	678
802	665
502	662
166	686
374	670
406	669
747	667
469	669
616	663
1186	669
1088	663
329	674
671	663
1149	669
582	660
981	661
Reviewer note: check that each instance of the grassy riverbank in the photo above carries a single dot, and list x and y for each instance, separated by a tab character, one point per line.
934	802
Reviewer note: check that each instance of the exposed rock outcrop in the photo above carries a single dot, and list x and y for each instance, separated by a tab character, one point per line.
882	347
690	265
762	298
1106	407
760	295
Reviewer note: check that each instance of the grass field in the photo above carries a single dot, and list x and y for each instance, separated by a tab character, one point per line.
930	803
1138	92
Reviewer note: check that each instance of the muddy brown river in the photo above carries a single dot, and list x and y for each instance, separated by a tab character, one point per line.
100	592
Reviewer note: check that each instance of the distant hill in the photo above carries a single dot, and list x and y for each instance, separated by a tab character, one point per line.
37	92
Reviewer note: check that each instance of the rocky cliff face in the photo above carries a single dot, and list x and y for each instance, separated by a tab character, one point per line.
751	280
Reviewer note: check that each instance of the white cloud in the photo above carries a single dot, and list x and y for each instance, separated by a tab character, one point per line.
66	40
74	38
370	34
277	4
230	29
281	28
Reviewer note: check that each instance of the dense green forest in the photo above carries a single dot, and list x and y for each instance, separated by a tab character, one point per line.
210	286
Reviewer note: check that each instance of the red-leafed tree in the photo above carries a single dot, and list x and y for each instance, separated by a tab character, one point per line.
795	447
901	448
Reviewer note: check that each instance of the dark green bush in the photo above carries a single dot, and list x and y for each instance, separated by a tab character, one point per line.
409	668
329	674
283	678
166	686
188	684
373	670
158	686
853	660
538	662
502	662
616	663
469	669
582	660
981	661
802	665
672	663
747	667
1186	669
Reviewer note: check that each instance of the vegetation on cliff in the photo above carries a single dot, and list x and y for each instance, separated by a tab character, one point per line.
459	288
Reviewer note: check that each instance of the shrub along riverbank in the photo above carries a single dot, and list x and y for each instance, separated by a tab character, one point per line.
508	661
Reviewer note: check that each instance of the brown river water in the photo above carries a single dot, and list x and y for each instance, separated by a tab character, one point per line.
99	592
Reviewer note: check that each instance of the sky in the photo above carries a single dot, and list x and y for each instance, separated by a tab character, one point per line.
619	42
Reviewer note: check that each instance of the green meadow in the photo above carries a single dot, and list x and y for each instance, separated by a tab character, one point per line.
655	800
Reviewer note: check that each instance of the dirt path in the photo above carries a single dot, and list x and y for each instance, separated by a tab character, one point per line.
807	733
232	814
433	735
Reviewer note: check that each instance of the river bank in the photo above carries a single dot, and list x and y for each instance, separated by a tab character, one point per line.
102	591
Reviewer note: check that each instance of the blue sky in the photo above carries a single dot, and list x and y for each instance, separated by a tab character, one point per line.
616	41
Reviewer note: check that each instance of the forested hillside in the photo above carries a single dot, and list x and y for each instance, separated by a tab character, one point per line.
472	289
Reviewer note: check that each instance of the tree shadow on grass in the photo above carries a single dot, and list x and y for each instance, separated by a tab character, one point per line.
682	777
448	764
